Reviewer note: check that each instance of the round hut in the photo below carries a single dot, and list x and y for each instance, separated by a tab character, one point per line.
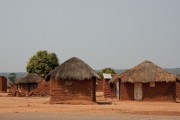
72	80
25	86
147	81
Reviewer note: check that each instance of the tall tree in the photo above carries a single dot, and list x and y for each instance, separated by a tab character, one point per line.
42	63
12	77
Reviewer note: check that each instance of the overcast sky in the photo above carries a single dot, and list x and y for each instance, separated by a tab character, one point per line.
103	33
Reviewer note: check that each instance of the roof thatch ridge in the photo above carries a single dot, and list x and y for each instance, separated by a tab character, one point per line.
145	72
73	69
30	78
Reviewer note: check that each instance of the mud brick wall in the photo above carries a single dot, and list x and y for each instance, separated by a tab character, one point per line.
75	90
126	91
99	86
178	91
3	84
161	92
24	89
13	89
109	92
43	88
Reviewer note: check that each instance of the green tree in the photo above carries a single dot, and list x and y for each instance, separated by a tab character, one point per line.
42	63
106	70
12	77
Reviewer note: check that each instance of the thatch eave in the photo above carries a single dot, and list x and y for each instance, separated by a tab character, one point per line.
30	78
146	72
73	69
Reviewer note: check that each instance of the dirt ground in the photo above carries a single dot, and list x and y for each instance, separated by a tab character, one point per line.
41	104
81	116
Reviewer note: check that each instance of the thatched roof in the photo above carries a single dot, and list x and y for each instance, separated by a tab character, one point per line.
146	72
73	69
30	78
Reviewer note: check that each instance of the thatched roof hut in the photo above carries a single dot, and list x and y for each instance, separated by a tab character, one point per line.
73	69
146	72
30	78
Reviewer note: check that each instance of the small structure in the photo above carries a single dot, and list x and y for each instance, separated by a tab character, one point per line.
31	85
147	81
3	84
72	80
108	89
99	86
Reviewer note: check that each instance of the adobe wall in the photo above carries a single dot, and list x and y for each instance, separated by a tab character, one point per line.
75	90
109	92
126	91
161	92
40	89
43	88
24	90
3	84
178	91
13	90
99	86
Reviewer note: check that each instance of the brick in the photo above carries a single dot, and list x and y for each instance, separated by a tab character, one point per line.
79	90
41	88
3	84
108	91
178	91
161	92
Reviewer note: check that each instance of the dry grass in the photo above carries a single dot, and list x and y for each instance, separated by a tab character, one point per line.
146	72
73	69
30	78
